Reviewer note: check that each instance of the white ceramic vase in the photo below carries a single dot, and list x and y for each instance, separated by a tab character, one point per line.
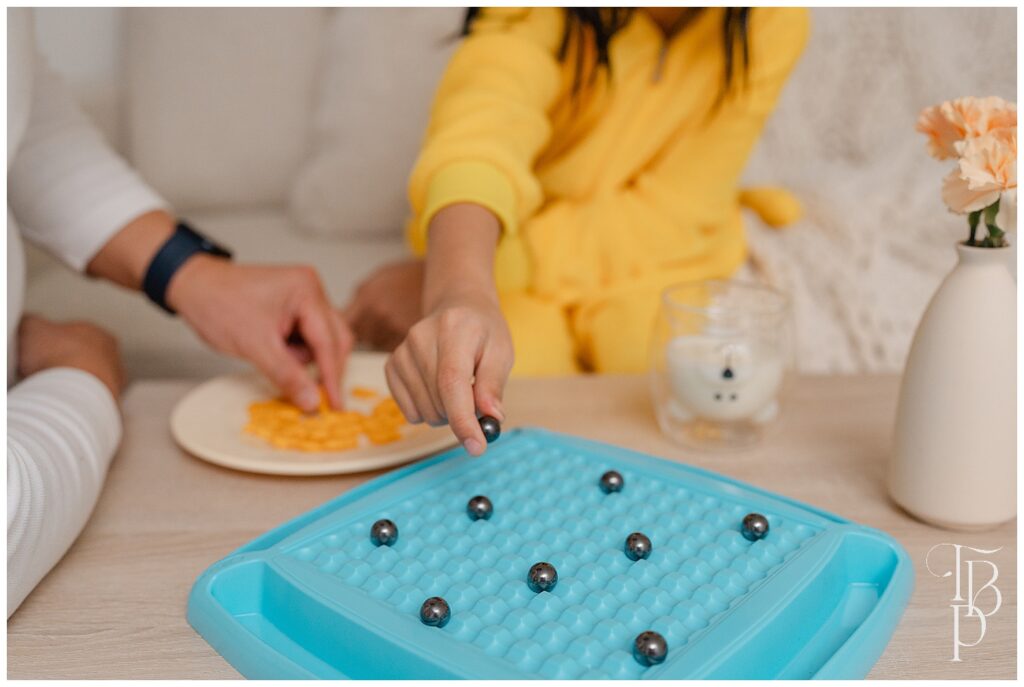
954	455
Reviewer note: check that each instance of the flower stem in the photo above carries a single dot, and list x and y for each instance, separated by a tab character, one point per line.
995	234
972	220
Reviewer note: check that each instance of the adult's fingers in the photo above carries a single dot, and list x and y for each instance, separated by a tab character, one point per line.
302	354
491	375
274	360
317	326
457	355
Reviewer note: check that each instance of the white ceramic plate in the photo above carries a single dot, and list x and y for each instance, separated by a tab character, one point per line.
209	422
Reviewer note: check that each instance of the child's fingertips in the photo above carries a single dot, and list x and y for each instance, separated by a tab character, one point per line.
491	406
473	447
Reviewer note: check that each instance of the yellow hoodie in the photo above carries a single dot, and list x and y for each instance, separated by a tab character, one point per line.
609	193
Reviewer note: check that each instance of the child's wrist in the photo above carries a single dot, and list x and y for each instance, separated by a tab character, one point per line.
460	256
461	289
462	219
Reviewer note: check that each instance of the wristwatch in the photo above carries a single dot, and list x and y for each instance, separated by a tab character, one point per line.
182	245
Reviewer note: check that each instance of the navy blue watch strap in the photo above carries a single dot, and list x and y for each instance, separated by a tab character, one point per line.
183	244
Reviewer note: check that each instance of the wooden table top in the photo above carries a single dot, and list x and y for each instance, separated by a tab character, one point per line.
114	607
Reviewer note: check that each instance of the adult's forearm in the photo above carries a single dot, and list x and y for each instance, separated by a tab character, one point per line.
460	253
69	191
63	427
125	257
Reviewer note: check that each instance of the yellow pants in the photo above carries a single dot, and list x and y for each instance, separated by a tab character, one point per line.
575	320
610	332
552	340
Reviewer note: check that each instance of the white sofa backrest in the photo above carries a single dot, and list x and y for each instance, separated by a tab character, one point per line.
84	45
380	70
218	101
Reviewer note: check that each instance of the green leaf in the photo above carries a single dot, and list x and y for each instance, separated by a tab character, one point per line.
991	211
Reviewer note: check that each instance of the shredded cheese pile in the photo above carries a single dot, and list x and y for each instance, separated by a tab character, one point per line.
285	426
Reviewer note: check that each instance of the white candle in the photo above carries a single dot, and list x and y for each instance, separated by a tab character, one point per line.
724	379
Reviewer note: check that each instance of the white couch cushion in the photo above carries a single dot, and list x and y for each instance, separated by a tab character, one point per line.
381	67
219	100
156	345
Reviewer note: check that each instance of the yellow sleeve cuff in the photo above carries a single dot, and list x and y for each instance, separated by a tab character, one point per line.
465	182
776	207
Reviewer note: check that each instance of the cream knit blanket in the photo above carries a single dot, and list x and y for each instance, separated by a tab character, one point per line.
876	239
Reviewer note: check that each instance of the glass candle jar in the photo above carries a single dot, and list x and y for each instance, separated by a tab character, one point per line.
718	358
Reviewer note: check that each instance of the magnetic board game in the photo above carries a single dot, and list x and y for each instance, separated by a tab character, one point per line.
318	597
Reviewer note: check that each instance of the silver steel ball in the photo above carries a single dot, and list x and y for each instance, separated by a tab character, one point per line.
649	648
611	481
755	526
384	533
542	577
638	546
435	612
480	508
491	428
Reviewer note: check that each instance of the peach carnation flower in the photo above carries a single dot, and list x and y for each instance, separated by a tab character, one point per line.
987	167
958	120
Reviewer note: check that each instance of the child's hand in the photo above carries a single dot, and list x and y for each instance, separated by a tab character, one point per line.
453	363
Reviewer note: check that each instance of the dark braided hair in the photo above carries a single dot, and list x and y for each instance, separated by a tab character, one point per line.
602	23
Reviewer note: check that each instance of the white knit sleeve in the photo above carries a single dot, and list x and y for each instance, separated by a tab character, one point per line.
63	427
69	191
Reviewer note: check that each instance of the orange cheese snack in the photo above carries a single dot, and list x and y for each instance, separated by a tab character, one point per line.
285	426
364	392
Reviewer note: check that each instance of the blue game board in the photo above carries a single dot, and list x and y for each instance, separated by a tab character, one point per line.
817	597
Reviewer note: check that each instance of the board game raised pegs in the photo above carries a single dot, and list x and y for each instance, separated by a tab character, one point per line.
808	594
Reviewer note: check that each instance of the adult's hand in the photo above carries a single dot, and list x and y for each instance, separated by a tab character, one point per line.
387	304
278	318
44	344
